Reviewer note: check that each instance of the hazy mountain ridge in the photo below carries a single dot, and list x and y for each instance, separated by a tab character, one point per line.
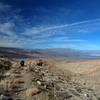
52	53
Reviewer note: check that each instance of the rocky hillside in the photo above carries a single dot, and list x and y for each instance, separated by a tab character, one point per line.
41	80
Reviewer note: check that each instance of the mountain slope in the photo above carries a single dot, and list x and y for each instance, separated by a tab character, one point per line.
50	53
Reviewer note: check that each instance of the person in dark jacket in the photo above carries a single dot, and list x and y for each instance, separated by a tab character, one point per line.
22	62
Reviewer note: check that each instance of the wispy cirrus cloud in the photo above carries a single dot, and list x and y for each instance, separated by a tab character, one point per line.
7	43
38	35
15	32
11	24
37	30
6	28
63	39
4	7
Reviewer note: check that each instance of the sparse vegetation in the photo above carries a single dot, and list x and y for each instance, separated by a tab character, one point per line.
46	81
32	91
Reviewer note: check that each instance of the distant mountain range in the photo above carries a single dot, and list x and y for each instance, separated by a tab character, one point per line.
49	53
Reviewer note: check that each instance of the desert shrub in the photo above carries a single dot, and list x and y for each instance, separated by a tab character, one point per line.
17	80
5	64
32	91
6	85
98	97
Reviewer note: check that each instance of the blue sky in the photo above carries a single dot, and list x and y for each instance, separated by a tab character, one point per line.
50	24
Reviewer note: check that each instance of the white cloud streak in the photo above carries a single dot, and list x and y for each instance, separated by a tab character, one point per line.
36	30
39	35
4	7
6	28
5	43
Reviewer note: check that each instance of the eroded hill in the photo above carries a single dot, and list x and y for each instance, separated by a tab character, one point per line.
44	81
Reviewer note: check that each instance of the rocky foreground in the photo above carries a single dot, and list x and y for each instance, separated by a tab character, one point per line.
41	81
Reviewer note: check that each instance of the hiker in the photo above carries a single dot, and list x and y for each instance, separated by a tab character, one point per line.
22	62
40	63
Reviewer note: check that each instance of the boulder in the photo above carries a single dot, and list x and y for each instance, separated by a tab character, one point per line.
3	97
2	91
5	64
64	94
